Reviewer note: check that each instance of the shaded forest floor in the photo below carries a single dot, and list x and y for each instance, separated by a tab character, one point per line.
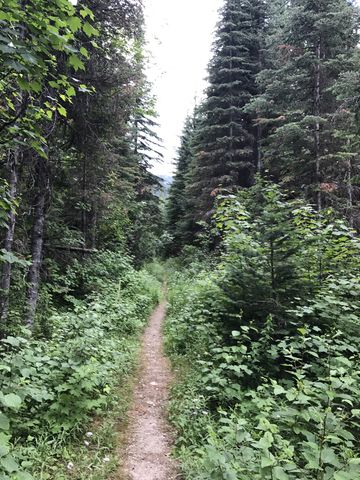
149	440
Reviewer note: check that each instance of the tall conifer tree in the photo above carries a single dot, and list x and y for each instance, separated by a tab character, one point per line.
178	204
225	147
309	45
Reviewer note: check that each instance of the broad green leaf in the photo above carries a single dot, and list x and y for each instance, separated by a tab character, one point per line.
30	58
4	422
279	473
10	104
4	15
62	111
23	476
17	66
35	86
266	461
74	24
89	30
84	52
86	12
54	84
4	445
343	476
278	390
266	441
70	92
11	400
6	49
9	464
329	456
76	62
39	148
23	84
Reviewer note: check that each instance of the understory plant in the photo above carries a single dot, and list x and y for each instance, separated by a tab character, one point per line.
52	388
269	349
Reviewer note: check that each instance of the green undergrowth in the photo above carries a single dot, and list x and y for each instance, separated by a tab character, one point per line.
266	346
265	409
64	397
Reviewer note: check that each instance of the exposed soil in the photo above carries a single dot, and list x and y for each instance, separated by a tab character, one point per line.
149	441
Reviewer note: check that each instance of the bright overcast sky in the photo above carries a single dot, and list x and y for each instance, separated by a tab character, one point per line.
180	35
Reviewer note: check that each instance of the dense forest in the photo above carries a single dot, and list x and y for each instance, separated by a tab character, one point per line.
255	247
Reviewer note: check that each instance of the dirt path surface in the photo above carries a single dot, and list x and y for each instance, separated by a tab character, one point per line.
148	449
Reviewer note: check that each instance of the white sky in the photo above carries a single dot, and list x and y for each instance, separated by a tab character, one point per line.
180	35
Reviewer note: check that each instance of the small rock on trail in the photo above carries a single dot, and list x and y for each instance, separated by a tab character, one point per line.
147	456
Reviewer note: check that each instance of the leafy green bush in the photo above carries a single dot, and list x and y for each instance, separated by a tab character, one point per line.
53	386
191	311
268	346
278	254
301	420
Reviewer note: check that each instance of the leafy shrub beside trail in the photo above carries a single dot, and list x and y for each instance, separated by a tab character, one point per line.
268	348
51	388
300	420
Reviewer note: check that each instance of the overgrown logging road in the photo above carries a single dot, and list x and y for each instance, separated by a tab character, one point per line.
148	449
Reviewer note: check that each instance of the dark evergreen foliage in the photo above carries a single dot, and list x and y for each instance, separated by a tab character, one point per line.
283	101
225	147
84	178
177	207
309	45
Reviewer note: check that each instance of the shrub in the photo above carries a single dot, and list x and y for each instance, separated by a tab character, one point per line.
269	346
52	387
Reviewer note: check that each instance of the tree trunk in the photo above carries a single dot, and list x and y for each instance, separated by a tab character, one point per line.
37	242
84	200
9	238
259	162
259	129
93	227
317	109
350	191
272	269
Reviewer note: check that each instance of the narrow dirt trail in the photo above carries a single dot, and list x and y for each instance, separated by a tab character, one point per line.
147	456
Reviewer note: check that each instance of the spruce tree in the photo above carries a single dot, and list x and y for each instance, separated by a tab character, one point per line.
225	147
146	145
347	124
308	46
177	203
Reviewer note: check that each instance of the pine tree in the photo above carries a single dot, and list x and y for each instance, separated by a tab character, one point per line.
226	153
346	121
309	45
177	203
146	146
